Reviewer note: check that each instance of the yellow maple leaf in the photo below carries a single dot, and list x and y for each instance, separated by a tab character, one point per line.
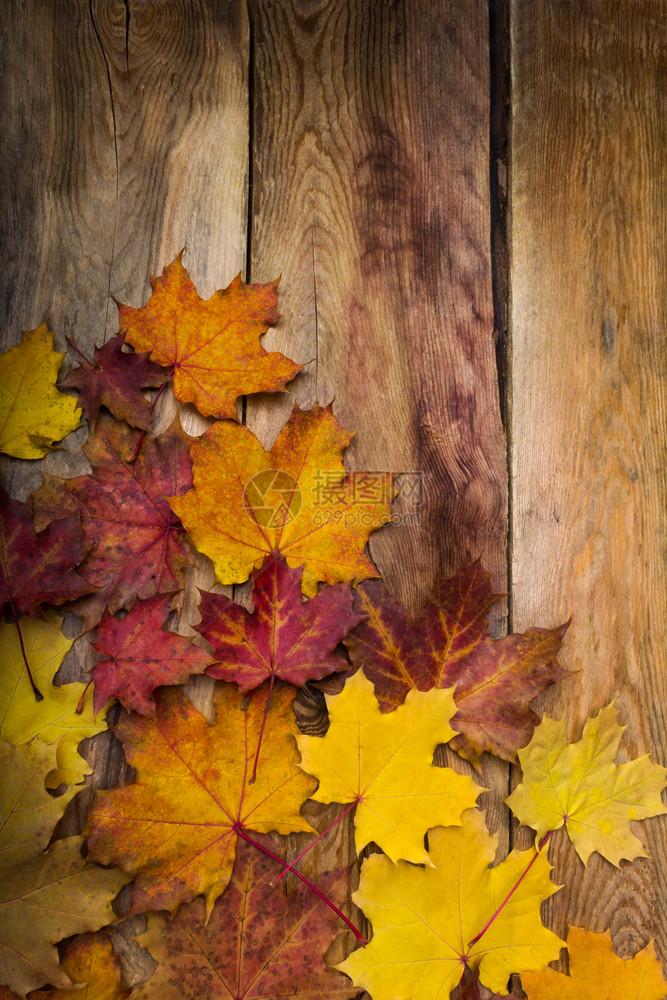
425	918
90	962
27	811
296	498
578	785
384	763
596	973
44	895
33	414
54	719
211	345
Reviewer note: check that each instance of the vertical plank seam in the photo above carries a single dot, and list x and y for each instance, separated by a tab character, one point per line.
317	337
236	590
127	40
251	144
499	165
249	172
115	149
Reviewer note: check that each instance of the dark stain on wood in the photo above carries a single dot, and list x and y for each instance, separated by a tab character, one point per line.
608	333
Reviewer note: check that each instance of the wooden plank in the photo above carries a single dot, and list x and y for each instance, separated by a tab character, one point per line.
589	395
125	139
371	197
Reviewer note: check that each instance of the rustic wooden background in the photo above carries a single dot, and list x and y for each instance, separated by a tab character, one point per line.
474	272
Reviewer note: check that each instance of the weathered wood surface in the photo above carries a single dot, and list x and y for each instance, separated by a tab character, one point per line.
589	396
125	140
346	145
370	196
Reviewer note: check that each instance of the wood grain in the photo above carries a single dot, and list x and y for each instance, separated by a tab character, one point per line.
127	132
370	196
589	395
125	139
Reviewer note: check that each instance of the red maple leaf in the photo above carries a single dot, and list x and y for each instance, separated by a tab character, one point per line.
450	644
285	637
259	943
38	569
137	544
142	655
115	378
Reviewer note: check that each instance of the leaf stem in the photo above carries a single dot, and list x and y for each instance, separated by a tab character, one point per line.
80	353
159	393
359	936
261	732
79	707
150	411
290	867
512	890
35	690
137	447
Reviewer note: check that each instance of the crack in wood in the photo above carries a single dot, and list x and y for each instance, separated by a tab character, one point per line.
115	148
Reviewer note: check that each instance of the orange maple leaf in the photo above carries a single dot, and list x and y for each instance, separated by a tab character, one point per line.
296	498
212	345
176	827
596	973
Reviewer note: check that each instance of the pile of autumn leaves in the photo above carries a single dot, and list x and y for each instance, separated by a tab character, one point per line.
191	830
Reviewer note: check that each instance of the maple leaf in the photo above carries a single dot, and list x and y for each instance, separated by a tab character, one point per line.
38	569
91	962
286	637
141	655
33	414
137	545
596	973
55	718
115	379
259	943
246	501
579	786
496	679
211	345
384	764
28	813
44	897
176	827
425	919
